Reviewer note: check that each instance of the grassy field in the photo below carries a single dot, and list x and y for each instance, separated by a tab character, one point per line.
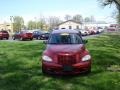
20	67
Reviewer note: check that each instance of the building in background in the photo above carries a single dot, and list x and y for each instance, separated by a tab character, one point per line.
70	24
6	26
94	25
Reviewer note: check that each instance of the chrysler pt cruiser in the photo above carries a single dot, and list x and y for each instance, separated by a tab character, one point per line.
65	53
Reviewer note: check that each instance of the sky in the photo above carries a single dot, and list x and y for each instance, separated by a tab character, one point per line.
29	9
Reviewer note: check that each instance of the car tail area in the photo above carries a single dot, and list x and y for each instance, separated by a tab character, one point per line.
28	35
4	34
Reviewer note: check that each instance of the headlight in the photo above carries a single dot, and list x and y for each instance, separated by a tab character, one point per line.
46	58
86	58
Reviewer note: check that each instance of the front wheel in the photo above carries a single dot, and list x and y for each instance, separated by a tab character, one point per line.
7	38
1	38
13	38
88	71
43	71
31	39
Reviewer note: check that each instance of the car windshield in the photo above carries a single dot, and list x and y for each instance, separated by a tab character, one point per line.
65	39
17	33
37	32
4	31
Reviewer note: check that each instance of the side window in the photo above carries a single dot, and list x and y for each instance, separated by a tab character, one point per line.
21	32
35	32
70	27
5	32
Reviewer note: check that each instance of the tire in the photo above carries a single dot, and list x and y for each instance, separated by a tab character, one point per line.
43	71
37	38
31	39
1	38
14	38
89	71
7	38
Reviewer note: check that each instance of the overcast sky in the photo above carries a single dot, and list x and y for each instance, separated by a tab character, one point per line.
29	9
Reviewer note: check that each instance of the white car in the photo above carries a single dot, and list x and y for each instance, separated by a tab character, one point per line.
84	32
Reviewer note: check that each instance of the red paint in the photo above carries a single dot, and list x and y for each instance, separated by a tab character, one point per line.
23	35
4	34
66	56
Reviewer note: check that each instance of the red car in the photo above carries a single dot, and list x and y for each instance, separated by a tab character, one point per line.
4	34
23	35
66	53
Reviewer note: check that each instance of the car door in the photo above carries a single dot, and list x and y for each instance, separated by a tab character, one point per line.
17	35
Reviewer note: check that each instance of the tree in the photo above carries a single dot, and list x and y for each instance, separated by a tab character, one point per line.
53	22
41	23
18	23
110	2
87	19
78	18
36	24
67	17
92	19
32	25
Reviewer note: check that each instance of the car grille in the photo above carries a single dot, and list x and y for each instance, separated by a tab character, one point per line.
66	59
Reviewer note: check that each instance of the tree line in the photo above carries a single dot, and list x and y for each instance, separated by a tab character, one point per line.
53	21
46	24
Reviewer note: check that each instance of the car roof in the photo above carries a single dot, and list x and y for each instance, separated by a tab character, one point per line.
64	31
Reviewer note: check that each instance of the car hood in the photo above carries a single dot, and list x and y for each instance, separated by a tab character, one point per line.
65	48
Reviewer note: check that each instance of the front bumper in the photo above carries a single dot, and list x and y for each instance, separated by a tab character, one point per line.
54	68
27	37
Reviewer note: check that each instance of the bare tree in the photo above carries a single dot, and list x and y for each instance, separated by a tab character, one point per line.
87	19
53	22
110	2
67	17
92	19
41	23
78	18
31	25
18	23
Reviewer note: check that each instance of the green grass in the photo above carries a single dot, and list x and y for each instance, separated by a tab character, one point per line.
20	67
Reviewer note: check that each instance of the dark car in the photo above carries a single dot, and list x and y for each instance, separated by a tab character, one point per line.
23	35
44	36
65	53
4	34
37	34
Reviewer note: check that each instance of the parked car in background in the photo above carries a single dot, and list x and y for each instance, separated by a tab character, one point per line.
65	53
100	29
37	34
23	35
4	34
112	28
92	32
84	32
44	36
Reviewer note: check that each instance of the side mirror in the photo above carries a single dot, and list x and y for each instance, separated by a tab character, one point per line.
85	41
45	42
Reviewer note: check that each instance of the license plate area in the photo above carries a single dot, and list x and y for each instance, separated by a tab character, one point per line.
67	68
